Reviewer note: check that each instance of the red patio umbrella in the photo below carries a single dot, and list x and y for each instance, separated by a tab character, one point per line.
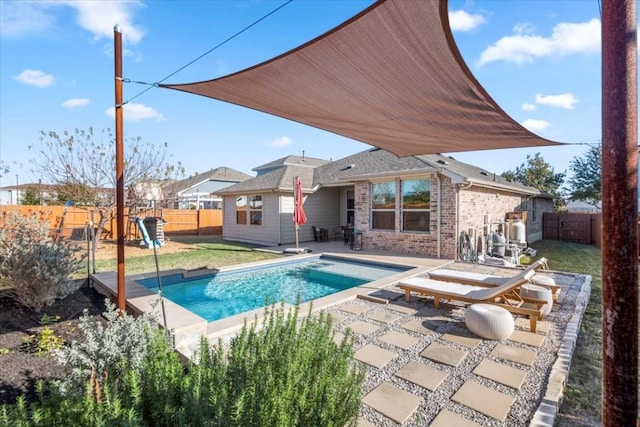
299	216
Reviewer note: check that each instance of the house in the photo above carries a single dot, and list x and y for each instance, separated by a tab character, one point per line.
201	191
415	204
31	193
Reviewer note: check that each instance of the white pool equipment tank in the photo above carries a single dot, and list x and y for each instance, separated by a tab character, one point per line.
518	231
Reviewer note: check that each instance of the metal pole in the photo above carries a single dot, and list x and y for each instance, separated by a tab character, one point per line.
295	204
620	213
120	232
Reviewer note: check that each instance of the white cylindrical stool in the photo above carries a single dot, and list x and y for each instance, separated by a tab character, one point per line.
538	292
539	279
489	321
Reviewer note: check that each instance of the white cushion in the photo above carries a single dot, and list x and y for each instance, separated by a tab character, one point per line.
489	321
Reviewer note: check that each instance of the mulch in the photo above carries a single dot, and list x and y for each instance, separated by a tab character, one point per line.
20	366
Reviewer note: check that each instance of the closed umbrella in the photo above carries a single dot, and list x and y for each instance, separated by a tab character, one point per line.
299	216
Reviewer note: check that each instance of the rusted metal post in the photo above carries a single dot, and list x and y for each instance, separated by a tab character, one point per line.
620	213
120	231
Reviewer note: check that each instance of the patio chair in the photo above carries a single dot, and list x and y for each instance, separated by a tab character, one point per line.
481	279
505	295
320	234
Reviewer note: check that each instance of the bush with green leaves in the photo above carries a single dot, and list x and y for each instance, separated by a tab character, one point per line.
34	267
285	372
108	349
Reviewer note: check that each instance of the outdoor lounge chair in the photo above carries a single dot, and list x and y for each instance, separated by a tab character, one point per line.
481	279
505	295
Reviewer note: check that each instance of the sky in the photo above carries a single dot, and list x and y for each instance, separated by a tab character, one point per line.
539	60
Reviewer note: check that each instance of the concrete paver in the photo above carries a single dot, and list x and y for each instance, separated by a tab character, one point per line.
444	354
363	328
425	376
337	318
364	423
418	325
375	356
401	308
384	316
446	418
392	402
484	400
501	373
514	354
464	340
529	338
399	339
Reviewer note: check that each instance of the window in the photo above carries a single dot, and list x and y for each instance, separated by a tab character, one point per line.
255	210
416	205
241	210
383	205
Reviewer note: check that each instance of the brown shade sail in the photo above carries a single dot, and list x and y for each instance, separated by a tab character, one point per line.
391	77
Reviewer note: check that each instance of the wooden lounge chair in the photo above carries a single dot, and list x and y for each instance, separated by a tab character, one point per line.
505	295
481	279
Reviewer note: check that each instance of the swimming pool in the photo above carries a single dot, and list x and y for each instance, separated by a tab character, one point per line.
225	294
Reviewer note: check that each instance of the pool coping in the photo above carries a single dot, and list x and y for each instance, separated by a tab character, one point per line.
188	328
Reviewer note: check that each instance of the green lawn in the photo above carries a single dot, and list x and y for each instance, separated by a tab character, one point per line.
582	400
208	251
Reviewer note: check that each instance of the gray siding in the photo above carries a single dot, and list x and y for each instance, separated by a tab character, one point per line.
266	234
322	209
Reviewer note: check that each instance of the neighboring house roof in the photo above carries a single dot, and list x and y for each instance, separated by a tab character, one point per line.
222	174
25	187
290	161
280	179
376	164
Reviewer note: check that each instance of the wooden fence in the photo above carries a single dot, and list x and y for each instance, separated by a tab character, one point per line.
177	221
578	227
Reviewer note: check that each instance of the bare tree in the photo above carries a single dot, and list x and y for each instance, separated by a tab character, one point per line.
81	165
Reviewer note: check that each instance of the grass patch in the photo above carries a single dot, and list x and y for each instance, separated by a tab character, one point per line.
204	253
583	394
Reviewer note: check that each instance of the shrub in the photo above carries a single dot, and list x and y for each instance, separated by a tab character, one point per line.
35	268
108	349
285	372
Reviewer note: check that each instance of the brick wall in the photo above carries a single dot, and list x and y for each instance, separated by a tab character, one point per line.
407	242
475	202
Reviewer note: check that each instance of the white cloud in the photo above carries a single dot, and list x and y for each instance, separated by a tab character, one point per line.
459	20
565	100
524	46
281	142
528	107
23	18
535	125
136	112
100	17
35	78
75	102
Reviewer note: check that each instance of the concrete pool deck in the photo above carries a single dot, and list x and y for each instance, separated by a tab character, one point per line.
424	366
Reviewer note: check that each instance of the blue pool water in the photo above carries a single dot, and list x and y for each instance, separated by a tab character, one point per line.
225	294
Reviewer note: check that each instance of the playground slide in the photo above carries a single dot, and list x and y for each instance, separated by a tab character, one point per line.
145	235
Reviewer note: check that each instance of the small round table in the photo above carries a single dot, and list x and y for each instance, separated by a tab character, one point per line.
489	321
